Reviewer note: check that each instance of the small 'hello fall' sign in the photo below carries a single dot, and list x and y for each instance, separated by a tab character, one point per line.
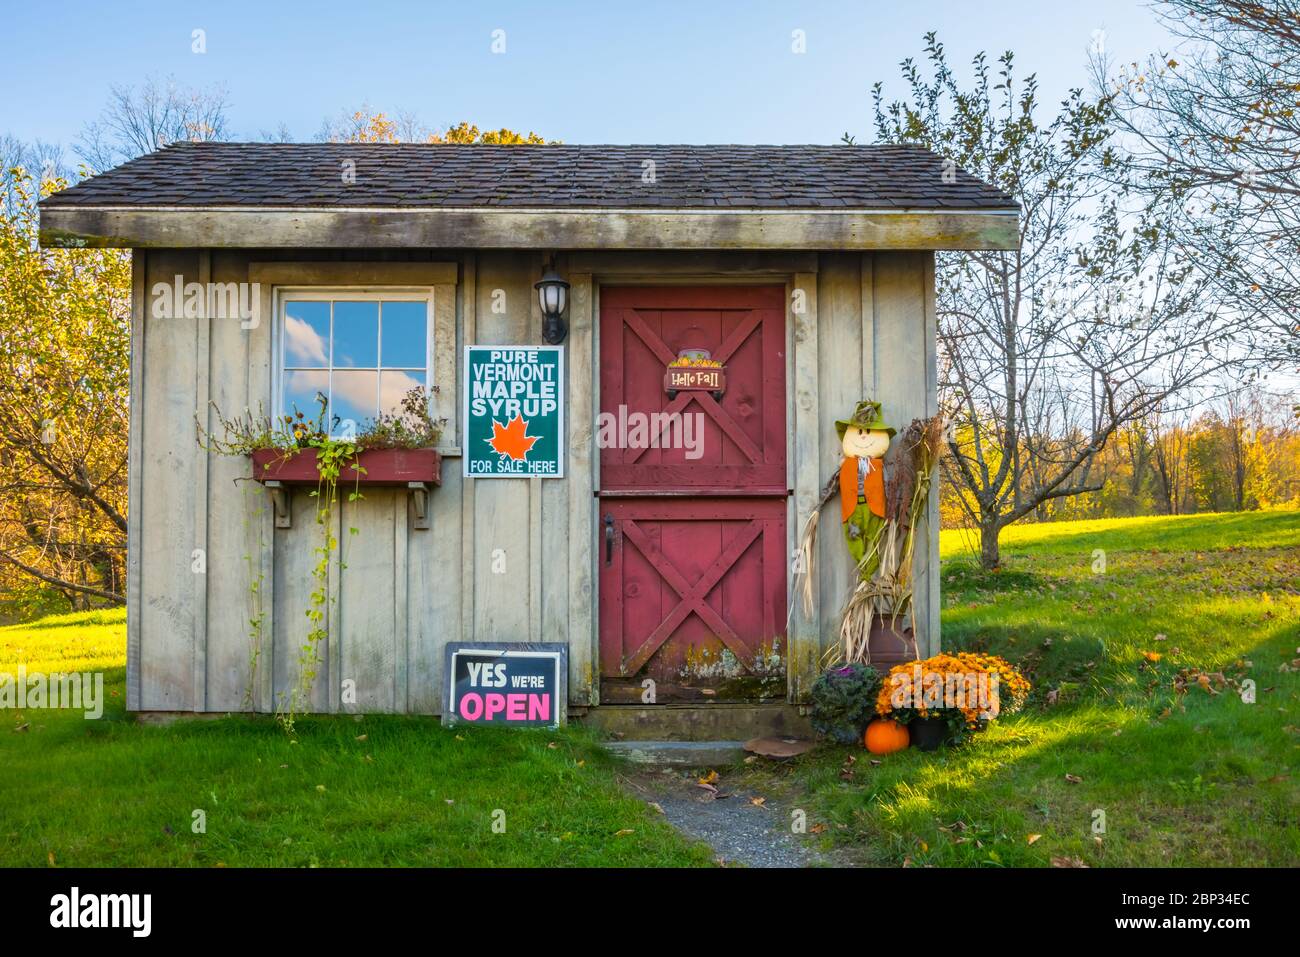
694	370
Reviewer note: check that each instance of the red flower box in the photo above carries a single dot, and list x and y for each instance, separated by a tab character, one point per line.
393	467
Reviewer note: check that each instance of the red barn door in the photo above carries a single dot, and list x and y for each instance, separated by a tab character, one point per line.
693	513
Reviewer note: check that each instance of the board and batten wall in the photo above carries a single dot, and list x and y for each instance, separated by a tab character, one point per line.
217	594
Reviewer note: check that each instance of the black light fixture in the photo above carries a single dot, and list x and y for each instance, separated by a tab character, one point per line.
553	296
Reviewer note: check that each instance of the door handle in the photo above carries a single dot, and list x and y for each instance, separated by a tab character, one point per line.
609	539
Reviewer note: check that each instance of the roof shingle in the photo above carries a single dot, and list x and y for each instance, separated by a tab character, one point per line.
541	177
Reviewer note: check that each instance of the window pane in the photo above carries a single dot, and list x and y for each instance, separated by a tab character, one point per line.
307	334
404	340
356	335
355	394
393	387
300	390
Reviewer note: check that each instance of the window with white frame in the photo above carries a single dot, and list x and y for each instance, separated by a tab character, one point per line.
361	352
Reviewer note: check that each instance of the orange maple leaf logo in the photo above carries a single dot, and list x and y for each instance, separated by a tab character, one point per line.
512	439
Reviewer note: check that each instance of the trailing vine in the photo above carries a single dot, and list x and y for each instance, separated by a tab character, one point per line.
332	456
410	427
257	615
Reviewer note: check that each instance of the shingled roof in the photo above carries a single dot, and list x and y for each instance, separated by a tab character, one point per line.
420	176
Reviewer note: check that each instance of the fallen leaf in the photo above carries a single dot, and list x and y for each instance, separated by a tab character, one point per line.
1074	779
1032	838
1161	637
50	857
624	832
552	745
710	778
657	808
758	801
362	737
816	828
320	787
1067	862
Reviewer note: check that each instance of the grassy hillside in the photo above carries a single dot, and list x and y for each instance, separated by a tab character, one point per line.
1195	778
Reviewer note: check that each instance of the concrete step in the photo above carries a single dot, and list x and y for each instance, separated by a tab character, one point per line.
684	754
698	723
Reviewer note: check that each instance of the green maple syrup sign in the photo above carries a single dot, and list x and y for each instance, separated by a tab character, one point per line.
514	411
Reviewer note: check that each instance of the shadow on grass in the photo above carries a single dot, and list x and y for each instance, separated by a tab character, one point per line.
1136	775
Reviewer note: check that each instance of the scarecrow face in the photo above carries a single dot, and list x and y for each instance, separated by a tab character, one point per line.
862	444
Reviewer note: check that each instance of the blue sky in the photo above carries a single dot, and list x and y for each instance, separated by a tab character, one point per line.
708	71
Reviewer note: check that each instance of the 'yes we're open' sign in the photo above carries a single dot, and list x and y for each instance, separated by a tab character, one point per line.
517	685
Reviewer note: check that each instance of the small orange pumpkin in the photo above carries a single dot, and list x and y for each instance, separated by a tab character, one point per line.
885	736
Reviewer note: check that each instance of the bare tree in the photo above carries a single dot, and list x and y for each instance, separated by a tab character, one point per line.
1215	126
43	161
1091	323
159	112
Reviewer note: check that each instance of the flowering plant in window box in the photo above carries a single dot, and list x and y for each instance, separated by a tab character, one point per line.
395	449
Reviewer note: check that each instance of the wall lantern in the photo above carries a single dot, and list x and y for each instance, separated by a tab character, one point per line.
553	296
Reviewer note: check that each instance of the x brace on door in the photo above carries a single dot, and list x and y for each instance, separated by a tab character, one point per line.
692	595
725	351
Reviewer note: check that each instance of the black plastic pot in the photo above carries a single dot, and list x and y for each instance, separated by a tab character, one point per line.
927	733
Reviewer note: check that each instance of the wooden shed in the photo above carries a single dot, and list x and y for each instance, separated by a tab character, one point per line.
806	273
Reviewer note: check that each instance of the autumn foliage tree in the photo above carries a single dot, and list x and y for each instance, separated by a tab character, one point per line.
64	342
368	126
1091	323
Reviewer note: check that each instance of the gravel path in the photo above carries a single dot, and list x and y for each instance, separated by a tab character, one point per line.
739	830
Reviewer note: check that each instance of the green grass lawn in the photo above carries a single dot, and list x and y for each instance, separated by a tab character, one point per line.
345	791
1181	779
1195	779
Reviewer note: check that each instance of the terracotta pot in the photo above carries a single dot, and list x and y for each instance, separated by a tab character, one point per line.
890	646
927	733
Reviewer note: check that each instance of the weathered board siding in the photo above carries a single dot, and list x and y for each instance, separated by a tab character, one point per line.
503	559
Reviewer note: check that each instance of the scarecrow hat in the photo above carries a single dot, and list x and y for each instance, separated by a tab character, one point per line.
867	416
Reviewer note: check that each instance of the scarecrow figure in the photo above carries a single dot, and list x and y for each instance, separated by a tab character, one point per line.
864	437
